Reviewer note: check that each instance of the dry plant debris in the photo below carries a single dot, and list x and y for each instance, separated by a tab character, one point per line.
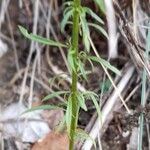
52	141
31	65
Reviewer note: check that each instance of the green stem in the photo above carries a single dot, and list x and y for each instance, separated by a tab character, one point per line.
75	107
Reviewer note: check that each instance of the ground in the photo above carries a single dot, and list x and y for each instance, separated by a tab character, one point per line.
27	67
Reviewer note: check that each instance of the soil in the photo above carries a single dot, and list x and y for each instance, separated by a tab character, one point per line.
113	138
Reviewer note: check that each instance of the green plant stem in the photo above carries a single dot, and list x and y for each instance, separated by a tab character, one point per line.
75	107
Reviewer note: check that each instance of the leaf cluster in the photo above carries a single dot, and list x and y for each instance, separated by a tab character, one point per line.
76	65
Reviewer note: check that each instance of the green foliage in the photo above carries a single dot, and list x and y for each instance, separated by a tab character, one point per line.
81	100
101	5
82	135
40	39
55	94
93	97
71	61
105	63
42	107
68	13
105	85
99	28
82	70
97	106
85	31
75	15
68	115
93	15
85	25
83	11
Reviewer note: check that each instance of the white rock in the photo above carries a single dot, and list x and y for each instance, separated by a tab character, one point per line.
3	48
27	131
125	134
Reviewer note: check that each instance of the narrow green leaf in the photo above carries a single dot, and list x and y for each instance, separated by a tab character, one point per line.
88	93
67	10
68	3
54	94
68	115
65	19
71	60
82	135
85	32
93	96
106	64
101	5
91	63
81	67
99	28
96	106
42	107
82	54
40	39
81	101
94	15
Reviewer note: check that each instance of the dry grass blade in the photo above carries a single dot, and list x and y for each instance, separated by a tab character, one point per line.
135	51
108	109
13	41
110	78
3	11
113	38
143	95
32	48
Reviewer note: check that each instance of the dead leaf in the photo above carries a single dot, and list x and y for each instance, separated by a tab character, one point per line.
52	141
